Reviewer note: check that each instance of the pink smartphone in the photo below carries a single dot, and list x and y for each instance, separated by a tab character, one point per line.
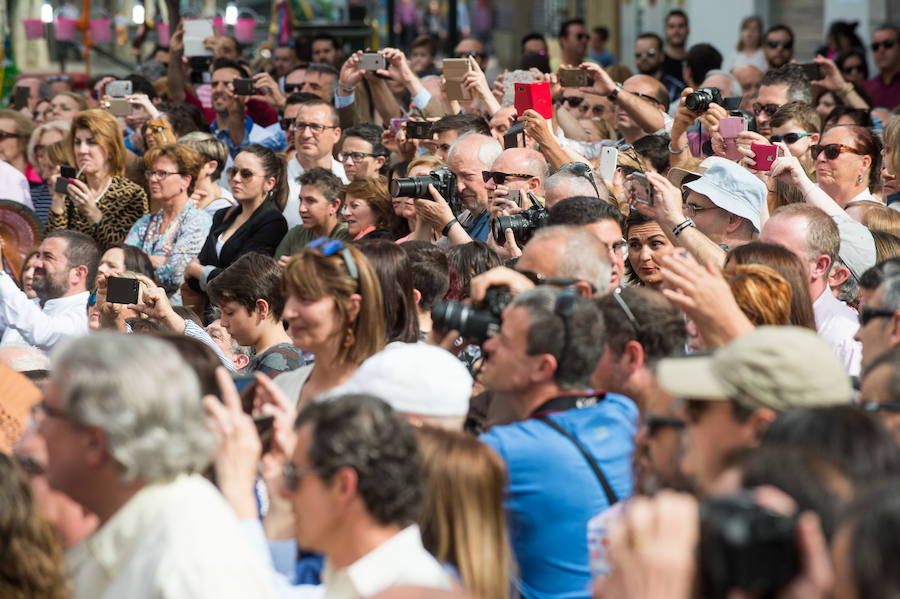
764	155
729	128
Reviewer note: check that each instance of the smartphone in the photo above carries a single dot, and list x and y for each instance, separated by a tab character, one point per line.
454	71
265	428
66	172
764	155
118	107
243	87
514	195
195	31
418	130
20	97
396	124
574	78
534	96
729	128
123	290
641	190
514	136
609	158
372	61
811	71
200	69
118	89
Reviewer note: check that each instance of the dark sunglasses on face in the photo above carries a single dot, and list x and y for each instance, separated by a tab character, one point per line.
475	55
582	36
573	101
245	173
4	135
788	138
649	53
769	109
832	151
500	178
292	88
787	45
867	313
853	67
286	124
656	423
887	44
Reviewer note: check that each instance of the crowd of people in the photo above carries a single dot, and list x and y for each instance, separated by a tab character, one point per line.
305	322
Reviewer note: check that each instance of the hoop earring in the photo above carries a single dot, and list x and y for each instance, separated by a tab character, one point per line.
349	338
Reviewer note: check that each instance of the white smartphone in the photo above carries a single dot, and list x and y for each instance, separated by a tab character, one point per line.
609	157
195	31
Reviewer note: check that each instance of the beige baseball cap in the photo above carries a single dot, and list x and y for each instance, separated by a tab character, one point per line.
777	367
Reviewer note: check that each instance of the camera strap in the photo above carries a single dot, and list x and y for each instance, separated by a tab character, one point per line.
559	404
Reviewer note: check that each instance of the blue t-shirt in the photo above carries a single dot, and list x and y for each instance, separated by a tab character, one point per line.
553	492
480	227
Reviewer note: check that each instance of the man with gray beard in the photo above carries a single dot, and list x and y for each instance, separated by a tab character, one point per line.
64	270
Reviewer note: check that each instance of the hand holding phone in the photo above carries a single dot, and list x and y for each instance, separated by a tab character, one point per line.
812	71
455	70
609	158
574	78
123	290
418	130
66	172
764	155
534	96
641	189
372	61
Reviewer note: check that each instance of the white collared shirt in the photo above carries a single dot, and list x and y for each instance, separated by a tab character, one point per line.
26	323
401	560
171	540
836	324
294	170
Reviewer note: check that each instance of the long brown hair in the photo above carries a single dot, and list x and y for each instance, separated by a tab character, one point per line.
462	521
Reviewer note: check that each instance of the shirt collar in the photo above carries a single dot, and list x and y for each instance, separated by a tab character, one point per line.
60	304
377	569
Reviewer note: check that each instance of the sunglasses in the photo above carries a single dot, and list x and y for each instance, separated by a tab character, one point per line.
4	135
581	169
473	54
832	151
286	124
887	406
775	44
788	138
853	67
867	313
245	173
500	178
573	101
55	78
598	109
656	423
293	474
769	109
329	247
292	88
648	54
539	279
581	36
887	44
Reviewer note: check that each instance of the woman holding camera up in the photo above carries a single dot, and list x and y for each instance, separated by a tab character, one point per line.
101	203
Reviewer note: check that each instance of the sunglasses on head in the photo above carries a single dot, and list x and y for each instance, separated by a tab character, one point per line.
887	44
788	138
769	109
832	151
500	178
776	43
329	247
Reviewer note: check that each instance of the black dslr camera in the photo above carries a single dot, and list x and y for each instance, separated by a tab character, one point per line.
700	100
523	224
745	546
476	323
443	180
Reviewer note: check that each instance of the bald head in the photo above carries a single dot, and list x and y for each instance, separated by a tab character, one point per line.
749	77
648	86
526	162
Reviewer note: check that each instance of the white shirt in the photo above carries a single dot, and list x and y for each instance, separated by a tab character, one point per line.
738	58
401	560
171	540
836	324
26	323
14	185
294	170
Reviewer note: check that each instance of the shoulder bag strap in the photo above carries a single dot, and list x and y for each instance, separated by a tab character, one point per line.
607	488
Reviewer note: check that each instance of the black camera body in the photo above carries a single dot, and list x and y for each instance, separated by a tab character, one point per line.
523	224
749	118
443	180
745	546
700	100
476	323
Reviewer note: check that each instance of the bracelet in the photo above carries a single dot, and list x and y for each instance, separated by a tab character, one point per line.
448	226
848	87
684	225
681	151
611	96
347	90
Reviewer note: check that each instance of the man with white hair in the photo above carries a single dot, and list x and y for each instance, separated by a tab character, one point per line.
126	438
520	169
726	83
566	183
469	156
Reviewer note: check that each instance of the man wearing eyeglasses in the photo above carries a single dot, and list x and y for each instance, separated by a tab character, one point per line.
779	86
778	46
649	57
361	151
516	169
573	43
540	362
879	389
879	315
884	88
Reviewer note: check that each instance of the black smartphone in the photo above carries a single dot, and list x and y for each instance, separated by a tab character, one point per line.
641	189
123	290
265	428
243	87
514	135
66	172
418	130
811	70
20	97
514	195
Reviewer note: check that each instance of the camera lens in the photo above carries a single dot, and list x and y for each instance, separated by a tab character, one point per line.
478	325
698	101
410	187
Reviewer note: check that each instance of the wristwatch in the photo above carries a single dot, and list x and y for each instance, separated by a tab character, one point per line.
614	93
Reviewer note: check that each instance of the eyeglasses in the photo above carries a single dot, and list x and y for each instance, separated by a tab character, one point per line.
598	109
887	406
293	474
769	109
573	101
832	151
847	69
788	138
539	279
356	156
886	44
867	313
292	88
581	36
329	247
41	410
161	175
656	423
55	78
565	309
617	295
473	54
30	465
692	209
4	135
315	128
286	124
245	173
787	45
582	170
500	178
619	247
648	54
650	99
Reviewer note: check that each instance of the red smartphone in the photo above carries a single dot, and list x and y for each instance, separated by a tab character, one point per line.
764	155
535	96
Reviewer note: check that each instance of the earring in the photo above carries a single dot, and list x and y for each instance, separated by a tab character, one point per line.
859	180
349	338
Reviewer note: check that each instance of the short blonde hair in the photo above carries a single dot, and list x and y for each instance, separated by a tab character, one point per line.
210	147
62	127
24	126
105	129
